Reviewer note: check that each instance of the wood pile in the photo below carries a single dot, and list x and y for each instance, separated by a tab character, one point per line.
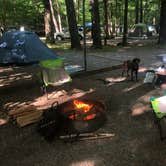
26	115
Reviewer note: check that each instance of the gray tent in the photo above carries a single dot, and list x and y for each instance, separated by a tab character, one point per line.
23	47
142	30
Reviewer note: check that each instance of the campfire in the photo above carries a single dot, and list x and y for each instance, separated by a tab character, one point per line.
84	115
80	111
74	117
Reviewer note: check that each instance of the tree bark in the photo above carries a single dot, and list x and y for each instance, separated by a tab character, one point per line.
136	11
75	41
59	16
105	3
84	32
96	32
53	17
48	22
141	11
124	42
162	32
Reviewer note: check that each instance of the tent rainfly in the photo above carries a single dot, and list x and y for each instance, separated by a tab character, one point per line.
23	47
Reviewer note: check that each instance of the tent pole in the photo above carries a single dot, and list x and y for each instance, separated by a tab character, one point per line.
84	38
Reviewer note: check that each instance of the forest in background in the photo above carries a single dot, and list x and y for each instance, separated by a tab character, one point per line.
30	13
49	16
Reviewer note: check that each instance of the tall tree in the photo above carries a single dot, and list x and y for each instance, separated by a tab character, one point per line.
75	41
162	32
105	3
77	8
84	32
136	11
124	41
59	16
53	17
141	11
96	31
48	22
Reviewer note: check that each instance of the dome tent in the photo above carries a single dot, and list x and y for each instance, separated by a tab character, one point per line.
23	47
142	30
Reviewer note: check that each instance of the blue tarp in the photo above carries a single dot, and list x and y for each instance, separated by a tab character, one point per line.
23	47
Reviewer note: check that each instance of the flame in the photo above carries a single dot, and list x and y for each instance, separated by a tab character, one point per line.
81	105
72	117
89	117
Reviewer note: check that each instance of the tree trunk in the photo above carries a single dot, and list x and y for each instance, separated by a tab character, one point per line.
48	22
116	17
77	9
136	11
162	32
53	17
75	41
124	42
59	16
96	32
141	11
84	31
105	2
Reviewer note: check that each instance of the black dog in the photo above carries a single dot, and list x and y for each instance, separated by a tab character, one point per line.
133	66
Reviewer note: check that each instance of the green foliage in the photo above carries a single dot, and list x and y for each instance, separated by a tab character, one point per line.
31	12
21	12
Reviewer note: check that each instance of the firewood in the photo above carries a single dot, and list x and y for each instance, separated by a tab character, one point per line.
15	116
29	118
87	136
21	110
97	136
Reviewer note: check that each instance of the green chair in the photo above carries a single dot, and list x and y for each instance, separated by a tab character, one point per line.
53	74
160	115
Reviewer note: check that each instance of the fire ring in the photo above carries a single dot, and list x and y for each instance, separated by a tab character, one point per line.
82	116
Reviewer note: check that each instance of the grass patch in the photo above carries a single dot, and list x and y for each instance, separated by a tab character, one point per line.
59	46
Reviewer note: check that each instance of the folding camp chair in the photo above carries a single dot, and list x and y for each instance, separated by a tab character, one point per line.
53	74
159	109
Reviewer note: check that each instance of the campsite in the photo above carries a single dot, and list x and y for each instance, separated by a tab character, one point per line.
98	100
130	118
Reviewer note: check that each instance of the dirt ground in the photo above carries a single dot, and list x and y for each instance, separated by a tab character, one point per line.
136	140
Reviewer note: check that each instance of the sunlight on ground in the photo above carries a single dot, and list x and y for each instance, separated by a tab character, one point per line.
7	80
156	64
43	102
140	108
62	46
140	45
3	121
4	118
61	96
112	80
5	69
142	69
15	105
132	87
83	163
117	79
142	105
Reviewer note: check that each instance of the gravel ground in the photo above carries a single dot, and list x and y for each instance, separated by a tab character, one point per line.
136	141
